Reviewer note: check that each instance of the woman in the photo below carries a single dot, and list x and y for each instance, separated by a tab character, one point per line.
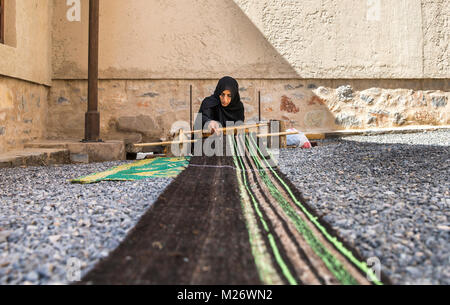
223	106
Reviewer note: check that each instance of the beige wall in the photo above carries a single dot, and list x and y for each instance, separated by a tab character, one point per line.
23	112
27	56
357	38
436	35
270	39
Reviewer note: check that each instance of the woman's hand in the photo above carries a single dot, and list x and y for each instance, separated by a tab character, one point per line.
214	127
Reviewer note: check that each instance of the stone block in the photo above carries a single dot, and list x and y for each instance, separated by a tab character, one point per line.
399	119
100	151
345	93
439	101
5	162
315	118
58	157
143	124
79	158
347	120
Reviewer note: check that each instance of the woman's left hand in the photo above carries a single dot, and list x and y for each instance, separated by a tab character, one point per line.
214	127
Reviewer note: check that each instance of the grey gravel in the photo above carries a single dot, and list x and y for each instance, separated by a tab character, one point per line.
50	227
387	195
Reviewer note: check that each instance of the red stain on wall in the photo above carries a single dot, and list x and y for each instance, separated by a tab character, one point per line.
316	100
288	105
141	104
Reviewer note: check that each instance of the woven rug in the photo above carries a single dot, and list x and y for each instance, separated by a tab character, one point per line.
158	167
234	220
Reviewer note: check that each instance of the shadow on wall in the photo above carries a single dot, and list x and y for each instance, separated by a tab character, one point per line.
144	39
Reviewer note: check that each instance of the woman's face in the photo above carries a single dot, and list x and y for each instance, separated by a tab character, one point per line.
225	98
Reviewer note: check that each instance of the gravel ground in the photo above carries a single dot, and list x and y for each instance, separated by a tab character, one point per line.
387	195
390	201
49	226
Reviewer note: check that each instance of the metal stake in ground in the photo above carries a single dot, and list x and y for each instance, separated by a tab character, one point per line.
92	118
259	117
259	106
190	117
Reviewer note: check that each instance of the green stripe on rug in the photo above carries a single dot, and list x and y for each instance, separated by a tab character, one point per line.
158	167
339	246
284	268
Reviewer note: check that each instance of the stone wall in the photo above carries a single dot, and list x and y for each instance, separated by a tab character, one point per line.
144	110
23	110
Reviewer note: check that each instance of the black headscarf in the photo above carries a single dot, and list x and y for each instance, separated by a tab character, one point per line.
212	109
